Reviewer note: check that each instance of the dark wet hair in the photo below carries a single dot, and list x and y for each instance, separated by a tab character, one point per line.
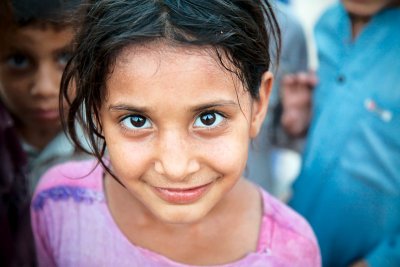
241	31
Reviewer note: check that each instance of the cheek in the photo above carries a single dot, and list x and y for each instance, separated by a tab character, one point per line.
229	153
129	160
14	86
14	96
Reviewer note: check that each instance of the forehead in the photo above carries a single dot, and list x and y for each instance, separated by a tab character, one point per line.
36	39
192	73
158	56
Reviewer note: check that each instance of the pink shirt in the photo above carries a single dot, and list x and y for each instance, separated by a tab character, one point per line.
73	227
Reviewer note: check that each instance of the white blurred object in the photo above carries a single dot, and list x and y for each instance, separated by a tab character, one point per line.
285	168
308	12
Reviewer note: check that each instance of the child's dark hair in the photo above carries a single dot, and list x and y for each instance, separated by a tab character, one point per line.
28	12
240	31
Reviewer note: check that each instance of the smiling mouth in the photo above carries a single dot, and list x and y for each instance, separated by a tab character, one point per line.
182	196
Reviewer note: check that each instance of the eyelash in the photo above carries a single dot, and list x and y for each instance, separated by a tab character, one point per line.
134	130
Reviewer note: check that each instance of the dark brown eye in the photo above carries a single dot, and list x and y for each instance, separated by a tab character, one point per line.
138	121
135	122
208	120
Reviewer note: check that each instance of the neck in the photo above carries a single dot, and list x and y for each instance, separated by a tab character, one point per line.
358	23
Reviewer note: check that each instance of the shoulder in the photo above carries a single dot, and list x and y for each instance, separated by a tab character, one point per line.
390	18
81	173
291	231
76	179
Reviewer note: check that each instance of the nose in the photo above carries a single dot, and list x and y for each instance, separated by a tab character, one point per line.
47	82
176	157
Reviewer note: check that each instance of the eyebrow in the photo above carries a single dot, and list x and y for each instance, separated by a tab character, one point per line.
65	48
197	108
127	107
215	104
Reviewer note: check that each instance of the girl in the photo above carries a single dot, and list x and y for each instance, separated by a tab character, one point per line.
174	91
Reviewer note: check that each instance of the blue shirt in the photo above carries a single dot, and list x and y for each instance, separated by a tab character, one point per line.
349	185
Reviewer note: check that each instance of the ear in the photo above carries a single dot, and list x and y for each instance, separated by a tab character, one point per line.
260	105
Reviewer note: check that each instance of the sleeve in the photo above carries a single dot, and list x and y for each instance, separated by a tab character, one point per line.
41	226
386	254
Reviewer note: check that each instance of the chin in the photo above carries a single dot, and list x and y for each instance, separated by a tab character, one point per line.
182	214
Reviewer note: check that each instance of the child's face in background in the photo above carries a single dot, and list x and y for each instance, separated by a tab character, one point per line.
177	128
366	8
32	60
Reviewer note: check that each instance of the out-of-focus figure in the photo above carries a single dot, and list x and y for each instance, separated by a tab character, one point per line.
34	48
273	159
35	39
16	247
349	185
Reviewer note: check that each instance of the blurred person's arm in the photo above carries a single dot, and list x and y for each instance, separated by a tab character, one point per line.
297	102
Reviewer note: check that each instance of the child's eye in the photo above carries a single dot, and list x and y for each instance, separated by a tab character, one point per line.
18	61
135	122
63	58
209	120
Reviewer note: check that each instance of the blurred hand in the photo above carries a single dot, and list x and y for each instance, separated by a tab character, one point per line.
360	263
297	102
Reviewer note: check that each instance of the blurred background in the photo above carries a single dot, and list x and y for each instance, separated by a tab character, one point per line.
308	12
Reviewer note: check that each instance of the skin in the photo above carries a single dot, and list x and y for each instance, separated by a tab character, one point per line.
297	102
32	60
172	88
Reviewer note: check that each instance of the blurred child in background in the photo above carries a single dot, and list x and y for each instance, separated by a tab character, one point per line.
35	46
35	40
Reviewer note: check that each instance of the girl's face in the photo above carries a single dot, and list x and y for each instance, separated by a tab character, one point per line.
177	127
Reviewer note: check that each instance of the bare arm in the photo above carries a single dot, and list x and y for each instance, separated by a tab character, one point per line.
297	102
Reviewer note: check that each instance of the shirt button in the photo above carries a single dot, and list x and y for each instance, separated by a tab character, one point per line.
340	78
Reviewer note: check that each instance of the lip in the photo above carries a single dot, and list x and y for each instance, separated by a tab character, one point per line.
182	195
46	114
